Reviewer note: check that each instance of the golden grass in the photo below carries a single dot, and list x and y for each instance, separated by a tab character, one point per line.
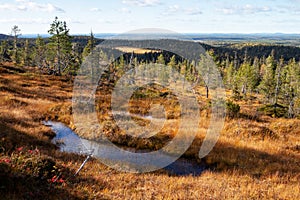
137	50
256	157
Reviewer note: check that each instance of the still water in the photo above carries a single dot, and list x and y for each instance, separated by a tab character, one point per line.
68	141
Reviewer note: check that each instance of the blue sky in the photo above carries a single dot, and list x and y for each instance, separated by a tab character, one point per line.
183	16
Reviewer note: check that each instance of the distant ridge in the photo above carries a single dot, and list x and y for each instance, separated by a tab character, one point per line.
195	36
3	36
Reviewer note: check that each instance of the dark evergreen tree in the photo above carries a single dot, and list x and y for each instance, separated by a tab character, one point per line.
4	51
247	78
291	87
60	46
267	85
278	80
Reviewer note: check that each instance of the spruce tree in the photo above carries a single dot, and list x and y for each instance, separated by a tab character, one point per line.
267	85
230	75
163	73
247	78
278	81
291	86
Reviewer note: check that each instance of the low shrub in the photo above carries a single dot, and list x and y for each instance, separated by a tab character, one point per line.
232	109
274	110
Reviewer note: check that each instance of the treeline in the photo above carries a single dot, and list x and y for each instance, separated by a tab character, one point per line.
254	50
271	72
278	81
60	54
275	82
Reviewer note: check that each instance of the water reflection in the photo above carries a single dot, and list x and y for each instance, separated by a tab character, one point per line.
68	141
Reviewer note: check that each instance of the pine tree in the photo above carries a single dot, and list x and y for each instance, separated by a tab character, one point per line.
206	65
26	54
242	78
120	66
231	80
161	59
39	56
90	46
122	63
60	43
76	59
16	32
4	51
256	67
230	74
190	72
183	67
163	73
172	62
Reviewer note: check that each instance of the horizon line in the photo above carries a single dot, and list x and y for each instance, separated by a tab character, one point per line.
174	33
190	33
242	33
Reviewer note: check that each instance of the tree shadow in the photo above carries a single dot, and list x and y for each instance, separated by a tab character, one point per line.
247	116
186	167
27	87
252	162
18	183
13	139
226	157
14	185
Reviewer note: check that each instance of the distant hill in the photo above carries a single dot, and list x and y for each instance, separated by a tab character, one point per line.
4	37
224	45
252	51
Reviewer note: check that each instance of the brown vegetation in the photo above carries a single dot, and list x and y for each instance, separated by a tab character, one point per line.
256	157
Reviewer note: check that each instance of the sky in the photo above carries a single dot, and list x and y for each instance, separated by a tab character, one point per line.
182	16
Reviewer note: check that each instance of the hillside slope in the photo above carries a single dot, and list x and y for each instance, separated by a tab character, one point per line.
256	157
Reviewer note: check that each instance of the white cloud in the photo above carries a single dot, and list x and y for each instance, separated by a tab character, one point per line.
124	10
288	9
95	9
31	20
26	21
142	3
247	9
193	11
27	5
35	20
72	21
105	21
175	9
